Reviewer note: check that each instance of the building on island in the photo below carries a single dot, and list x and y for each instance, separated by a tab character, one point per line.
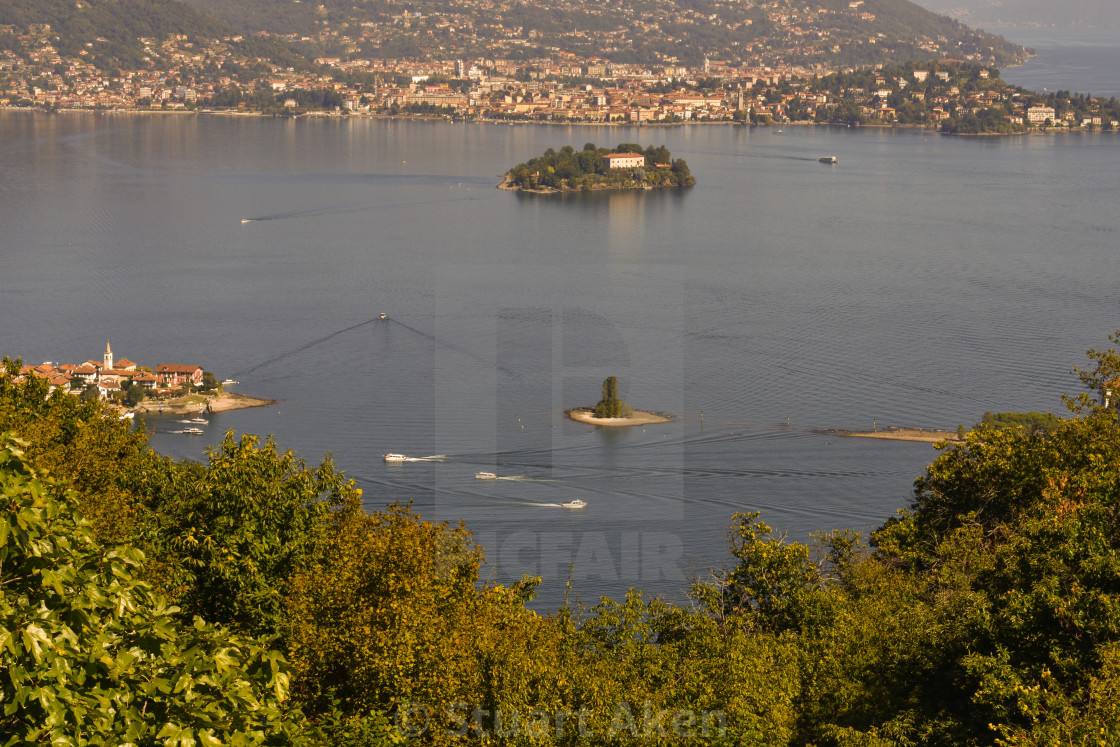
111	376
1039	114
173	374
625	160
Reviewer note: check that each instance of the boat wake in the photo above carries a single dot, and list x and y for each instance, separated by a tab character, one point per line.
545	505
435	458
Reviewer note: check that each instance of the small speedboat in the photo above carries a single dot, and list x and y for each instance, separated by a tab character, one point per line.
391	457
485	475
384	315
829	159
200	421
192	431
577	503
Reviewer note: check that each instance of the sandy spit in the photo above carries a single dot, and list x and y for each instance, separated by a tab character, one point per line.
640	417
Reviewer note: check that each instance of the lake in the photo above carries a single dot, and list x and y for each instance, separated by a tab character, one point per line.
1079	60
919	282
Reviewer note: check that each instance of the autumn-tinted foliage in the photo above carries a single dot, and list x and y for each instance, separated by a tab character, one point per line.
987	612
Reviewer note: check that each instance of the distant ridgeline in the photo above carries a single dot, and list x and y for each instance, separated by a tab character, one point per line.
628	166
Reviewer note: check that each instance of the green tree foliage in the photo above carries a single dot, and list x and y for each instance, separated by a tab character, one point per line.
135	395
988	612
1033	421
89	655
610	406
235	532
392	613
83	444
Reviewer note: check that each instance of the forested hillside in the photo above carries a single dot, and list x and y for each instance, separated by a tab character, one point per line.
828	32
108	32
249	599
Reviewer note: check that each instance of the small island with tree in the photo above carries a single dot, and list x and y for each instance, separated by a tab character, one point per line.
627	166
611	410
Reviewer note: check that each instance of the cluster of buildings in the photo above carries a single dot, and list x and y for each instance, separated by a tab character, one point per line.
111	377
760	84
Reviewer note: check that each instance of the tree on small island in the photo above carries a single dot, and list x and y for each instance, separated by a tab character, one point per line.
567	170
610	406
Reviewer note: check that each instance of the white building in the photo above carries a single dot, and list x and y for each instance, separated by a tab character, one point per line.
625	160
1039	114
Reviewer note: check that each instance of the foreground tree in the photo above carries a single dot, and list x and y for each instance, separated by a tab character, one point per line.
233	533
89	655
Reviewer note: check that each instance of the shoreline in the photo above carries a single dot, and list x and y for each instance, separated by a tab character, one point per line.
196	403
640	417
1052	130
906	434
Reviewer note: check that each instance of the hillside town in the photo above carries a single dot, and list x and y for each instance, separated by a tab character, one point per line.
111	378
548	90
499	71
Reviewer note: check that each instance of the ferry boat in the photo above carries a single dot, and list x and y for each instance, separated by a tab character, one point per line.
577	503
391	457
829	159
485	475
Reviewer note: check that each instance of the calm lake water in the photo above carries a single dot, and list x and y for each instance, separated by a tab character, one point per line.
1081	60
920	282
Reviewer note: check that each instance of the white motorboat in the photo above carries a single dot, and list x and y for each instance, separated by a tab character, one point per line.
485	475
192	431
200	421
829	159
391	457
577	503
384	315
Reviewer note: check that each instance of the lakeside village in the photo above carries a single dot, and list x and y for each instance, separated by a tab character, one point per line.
954	96
174	387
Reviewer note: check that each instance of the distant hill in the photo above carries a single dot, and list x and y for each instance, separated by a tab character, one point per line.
1065	14
108	31
828	32
824	34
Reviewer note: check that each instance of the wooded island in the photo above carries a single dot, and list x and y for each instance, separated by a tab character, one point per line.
627	166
